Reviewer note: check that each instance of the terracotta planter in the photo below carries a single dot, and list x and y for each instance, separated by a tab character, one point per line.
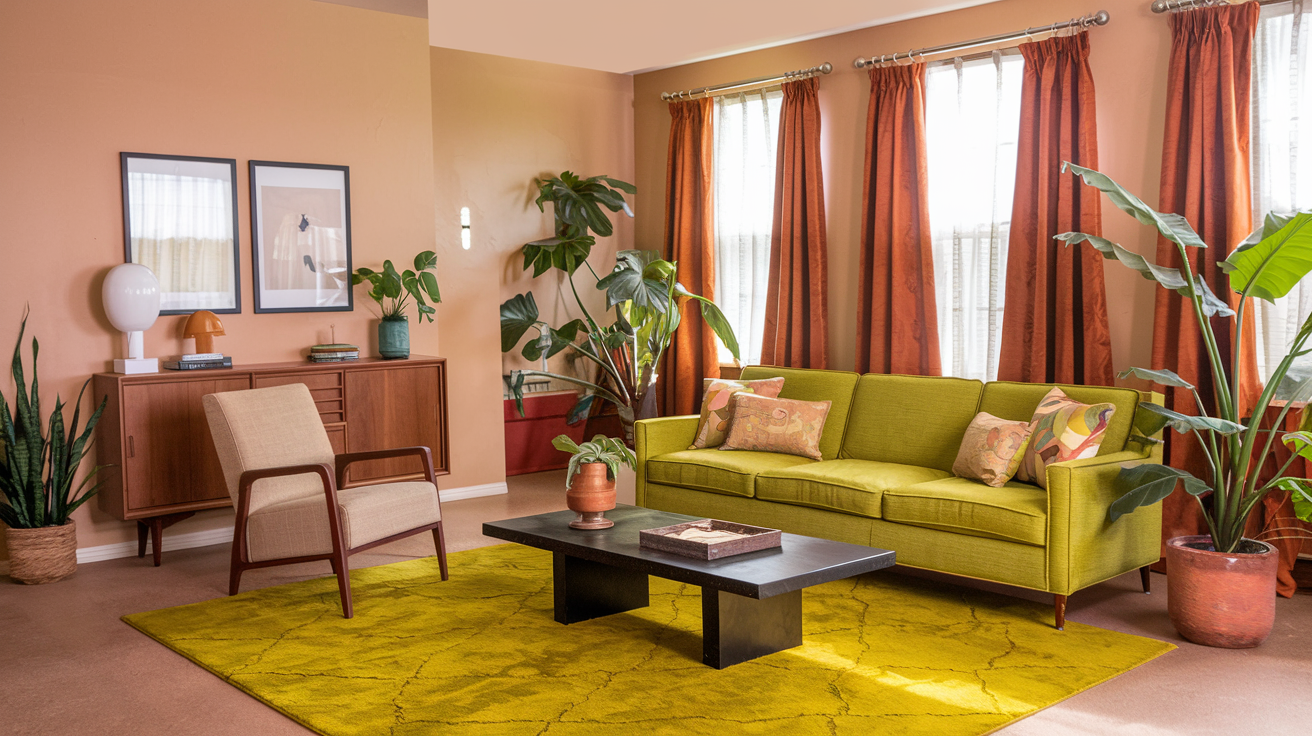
590	496
1217	599
42	555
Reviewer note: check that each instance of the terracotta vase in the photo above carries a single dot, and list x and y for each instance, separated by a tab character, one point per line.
590	496
1218	599
42	555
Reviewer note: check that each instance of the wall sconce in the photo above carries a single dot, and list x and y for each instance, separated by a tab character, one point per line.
464	228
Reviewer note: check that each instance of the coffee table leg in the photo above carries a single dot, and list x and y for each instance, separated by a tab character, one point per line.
587	590
736	628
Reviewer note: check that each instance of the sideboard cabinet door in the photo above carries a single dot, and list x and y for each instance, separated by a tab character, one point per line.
397	407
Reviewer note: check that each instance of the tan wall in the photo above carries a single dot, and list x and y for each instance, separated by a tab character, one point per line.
1129	59
286	80
497	124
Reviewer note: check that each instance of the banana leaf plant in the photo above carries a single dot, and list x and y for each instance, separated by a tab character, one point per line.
642	291
1267	265
37	466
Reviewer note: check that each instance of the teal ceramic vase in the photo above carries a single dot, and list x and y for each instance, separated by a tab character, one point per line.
394	338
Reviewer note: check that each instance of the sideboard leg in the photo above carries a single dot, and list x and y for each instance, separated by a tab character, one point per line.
142	532
156	525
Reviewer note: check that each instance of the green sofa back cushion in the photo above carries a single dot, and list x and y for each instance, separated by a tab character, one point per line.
804	384
912	420
1017	401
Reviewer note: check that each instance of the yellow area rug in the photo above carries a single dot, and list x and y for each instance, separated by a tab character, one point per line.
481	655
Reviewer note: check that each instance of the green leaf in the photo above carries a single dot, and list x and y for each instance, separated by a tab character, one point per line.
581	409
391	281
566	254
1300	492
716	319
1149	422
1163	376
1212	305
565	444
1147	484
429	282
1299	442
1269	268
1170	278
627	284
1184	423
1172	227
426	260
518	314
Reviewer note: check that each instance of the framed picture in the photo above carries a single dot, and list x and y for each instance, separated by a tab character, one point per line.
301	237
180	221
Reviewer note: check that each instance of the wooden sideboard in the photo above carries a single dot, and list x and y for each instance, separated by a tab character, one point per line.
164	468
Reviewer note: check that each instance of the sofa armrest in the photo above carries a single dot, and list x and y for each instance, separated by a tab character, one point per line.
652	437
1083	547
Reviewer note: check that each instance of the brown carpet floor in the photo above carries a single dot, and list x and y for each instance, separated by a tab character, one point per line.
69	666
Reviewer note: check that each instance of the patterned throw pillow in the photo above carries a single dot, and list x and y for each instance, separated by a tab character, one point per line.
1062	429
992	450
776	425
714	425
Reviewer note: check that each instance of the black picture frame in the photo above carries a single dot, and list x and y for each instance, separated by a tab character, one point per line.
262	299
124	157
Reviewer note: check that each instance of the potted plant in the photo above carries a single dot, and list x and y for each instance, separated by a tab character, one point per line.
392	291
37	467
643	290
596	464
1221	588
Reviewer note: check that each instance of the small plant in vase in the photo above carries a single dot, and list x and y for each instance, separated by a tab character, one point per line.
596	464
393	291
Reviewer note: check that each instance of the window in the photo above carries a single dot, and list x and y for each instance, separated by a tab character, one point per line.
972	123
746	137
1281	155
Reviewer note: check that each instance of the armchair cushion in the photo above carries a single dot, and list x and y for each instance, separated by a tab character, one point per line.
299	527
269	428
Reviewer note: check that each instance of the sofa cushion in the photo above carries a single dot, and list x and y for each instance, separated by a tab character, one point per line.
1017	512
850	486
777	425
713	426
804	384
913	420
713	471
1017	401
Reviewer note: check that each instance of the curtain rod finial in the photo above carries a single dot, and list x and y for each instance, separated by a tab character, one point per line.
826	67
1161	6
1102	17
860	63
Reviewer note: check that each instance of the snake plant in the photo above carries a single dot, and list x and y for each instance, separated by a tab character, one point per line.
37	467
1267	265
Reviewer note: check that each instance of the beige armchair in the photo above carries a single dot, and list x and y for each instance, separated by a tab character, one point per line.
286	484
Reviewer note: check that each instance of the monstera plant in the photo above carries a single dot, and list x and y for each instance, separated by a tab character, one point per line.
643	294
1267	265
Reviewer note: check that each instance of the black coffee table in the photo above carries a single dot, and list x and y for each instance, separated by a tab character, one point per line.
751	603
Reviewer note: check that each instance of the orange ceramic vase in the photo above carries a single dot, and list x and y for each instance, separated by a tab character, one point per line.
1218	599
590	496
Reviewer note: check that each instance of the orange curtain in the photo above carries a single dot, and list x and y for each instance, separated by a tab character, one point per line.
1054	327
1205	177
897	325
690	240
1274	520
796	305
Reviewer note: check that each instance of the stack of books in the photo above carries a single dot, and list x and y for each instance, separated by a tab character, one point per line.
335	353
198	361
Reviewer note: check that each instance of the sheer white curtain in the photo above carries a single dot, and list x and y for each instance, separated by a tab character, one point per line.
746	140
1282	159
972	122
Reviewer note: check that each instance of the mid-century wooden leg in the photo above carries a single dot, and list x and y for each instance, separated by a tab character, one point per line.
1060	606
1144	573
439	541
156	525
142	532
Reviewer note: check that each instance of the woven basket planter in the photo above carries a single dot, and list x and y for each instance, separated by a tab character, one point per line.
42	555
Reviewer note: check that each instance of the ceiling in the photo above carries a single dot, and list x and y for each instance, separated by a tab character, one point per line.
631	37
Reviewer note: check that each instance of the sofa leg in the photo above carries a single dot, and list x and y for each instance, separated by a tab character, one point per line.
1059	602
1144	573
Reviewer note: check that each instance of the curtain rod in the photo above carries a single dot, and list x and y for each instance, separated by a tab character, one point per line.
719	89
1165	6
1100	18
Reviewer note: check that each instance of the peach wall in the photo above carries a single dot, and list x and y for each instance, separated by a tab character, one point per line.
497	124
286	80
1129	59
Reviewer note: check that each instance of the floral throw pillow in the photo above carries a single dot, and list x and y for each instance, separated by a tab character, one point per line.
1062	429
714	424
776	425
992	450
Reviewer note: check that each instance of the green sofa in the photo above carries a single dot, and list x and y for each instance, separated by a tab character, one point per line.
886	481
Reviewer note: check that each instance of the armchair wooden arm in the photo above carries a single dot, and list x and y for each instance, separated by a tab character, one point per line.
347	459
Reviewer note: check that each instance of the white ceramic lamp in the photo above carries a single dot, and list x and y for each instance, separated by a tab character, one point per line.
131	296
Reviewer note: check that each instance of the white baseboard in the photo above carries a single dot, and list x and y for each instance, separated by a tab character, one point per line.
224	535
